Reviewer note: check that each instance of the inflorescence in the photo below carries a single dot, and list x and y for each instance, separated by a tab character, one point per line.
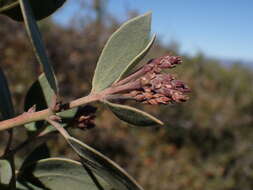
157	87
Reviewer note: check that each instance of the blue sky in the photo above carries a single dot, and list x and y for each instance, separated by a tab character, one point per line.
218	28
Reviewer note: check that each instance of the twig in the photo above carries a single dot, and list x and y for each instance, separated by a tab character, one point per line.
131	77
29	117
43	114
58	126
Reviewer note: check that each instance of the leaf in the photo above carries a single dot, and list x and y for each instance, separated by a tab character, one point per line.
96	162
27	186
132	115
6	175
6	106
41	8
40	94
103	166
5	172
58	173
122	49
35	37
137	59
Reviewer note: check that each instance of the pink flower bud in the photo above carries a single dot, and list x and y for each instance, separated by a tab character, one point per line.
156	87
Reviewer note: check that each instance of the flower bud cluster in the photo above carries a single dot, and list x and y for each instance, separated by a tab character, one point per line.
160	88
165	62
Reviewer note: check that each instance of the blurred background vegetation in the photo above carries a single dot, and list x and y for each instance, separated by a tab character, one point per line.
206	143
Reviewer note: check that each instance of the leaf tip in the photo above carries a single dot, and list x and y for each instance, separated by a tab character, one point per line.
160	122
149	13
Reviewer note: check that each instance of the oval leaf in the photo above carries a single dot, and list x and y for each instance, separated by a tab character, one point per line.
41	8
59	173
120	50
103	166
35	37
40	94
137	59
132	115
6	106
5	172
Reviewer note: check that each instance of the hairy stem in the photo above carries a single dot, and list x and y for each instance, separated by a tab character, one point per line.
29	117
24	118
131	77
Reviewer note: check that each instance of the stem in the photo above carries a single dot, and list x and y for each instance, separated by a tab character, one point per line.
43	114
131	77
24	118
29	117
58	126
123	88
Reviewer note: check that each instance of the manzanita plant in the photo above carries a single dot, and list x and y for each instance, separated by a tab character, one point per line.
116	78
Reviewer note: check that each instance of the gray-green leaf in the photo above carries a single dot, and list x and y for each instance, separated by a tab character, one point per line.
41	8
132	115
137	59
5	172
35	37
6	106
104	167
123	48
58	173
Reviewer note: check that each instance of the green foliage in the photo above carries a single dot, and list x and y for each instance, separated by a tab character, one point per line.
124	49
129	68
103	166
133	38
40	8
35	37
206	143
5	172
132	115
58	173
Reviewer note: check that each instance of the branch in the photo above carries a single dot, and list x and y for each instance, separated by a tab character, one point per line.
28	117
